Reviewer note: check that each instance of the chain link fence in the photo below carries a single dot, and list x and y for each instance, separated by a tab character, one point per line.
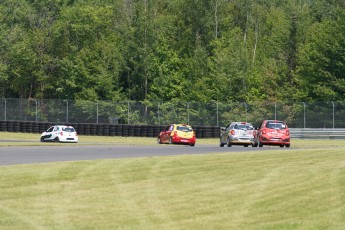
296	114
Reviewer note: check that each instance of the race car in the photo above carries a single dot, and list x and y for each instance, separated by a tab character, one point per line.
272	132
177	134
60	133
237	133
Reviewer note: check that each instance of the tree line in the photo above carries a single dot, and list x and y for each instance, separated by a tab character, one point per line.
163	50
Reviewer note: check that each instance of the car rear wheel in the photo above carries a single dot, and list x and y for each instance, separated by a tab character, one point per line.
260	144
159	141
42	139
287	145
245	145
56	139
281	146
228	143
221	144
192	144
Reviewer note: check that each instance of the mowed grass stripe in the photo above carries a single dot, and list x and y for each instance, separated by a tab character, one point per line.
271	189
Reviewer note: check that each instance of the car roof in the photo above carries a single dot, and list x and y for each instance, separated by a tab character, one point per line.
63	126
182	125
278	121
240	122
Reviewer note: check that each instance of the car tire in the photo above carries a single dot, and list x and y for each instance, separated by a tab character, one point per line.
245	145
221	144
281	146
159	141
260	144
287	145
192	145
228	143
254	145
56	139
42	139
171	141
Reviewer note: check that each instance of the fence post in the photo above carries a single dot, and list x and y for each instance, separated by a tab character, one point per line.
333	113
159	115
188	113
128	112
217	114
303	114
66	110
5	111
246	107
36	108
97	112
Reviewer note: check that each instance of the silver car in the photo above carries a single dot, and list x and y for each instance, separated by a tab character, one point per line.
237	133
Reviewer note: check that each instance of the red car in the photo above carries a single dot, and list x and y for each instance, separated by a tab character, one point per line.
272	132
177	133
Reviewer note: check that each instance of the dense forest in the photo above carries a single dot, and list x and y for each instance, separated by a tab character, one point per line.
163	50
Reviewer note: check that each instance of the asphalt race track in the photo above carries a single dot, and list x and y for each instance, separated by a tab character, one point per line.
69	152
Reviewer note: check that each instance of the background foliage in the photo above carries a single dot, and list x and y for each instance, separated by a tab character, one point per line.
191	50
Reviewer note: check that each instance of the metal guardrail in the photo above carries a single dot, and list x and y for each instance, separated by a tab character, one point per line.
305	133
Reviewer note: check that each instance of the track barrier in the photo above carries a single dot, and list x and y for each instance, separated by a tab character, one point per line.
125	130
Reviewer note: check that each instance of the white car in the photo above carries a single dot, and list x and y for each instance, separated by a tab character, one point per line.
60	133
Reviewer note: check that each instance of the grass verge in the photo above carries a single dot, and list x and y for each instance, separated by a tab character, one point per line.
273	189
30	139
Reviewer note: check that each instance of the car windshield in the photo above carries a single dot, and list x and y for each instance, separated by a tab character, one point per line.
68	129
184	128
275	125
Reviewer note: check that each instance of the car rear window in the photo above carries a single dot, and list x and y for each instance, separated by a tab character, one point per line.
68	129
184	128
275	125
244	126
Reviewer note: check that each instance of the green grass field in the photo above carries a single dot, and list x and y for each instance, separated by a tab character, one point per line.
273	189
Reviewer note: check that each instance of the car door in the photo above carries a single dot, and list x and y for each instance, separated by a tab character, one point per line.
165	134
168	132
225	133
55	132
48	135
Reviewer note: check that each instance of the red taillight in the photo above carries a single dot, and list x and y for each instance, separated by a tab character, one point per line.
232	132
287	133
